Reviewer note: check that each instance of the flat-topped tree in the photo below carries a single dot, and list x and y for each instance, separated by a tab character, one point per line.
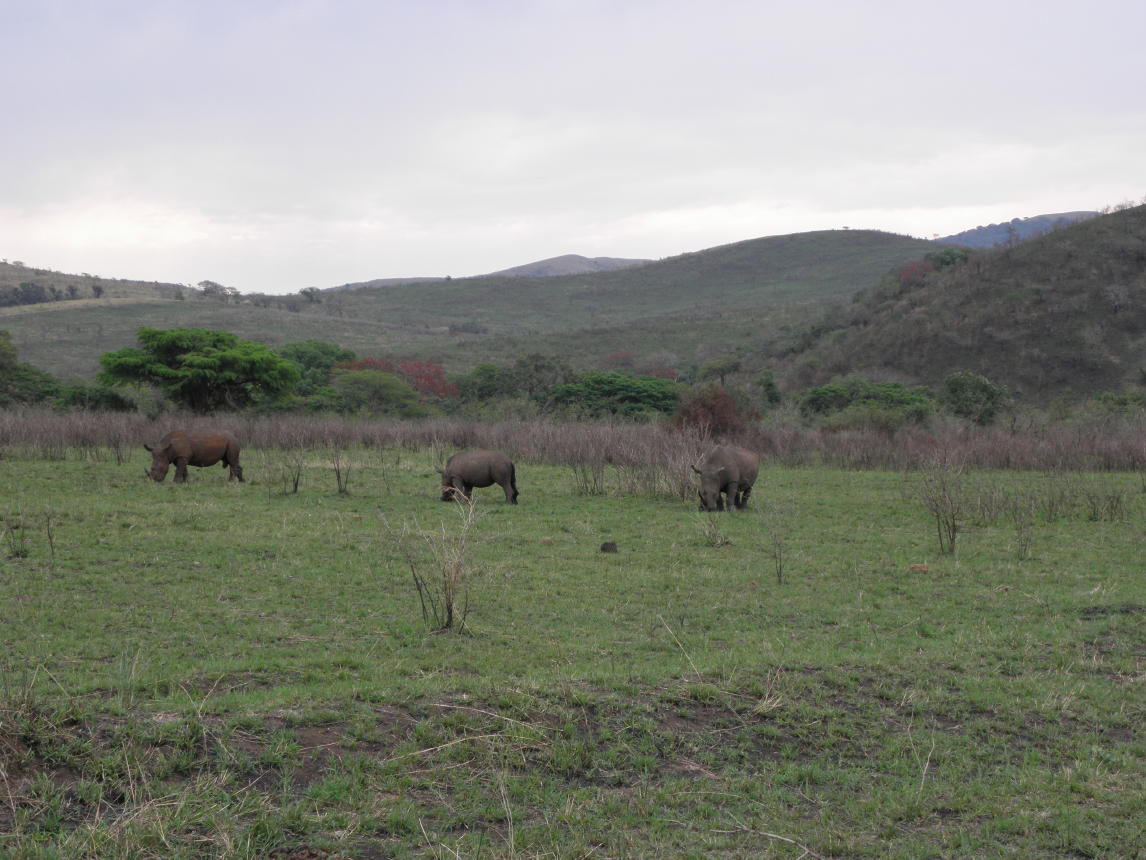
202	370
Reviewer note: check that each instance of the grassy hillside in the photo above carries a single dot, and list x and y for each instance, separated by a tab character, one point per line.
568	264
84	286
752	274
673	305
1063	312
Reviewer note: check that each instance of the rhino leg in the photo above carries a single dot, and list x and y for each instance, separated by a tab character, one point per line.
181	470
742	497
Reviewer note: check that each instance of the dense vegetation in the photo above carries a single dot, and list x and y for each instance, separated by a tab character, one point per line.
1057	316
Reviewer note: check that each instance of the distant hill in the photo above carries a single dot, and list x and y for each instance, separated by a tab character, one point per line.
47	285
688	307
380	282
569	264
1064	312
1015	230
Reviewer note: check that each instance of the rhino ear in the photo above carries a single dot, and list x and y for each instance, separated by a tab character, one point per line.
697	470
441	472
148	447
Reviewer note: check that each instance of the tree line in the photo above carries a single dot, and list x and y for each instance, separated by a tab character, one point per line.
205	371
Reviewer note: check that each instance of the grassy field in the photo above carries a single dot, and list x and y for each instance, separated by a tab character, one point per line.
241	670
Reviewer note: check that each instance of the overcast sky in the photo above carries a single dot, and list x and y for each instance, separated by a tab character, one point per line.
271	145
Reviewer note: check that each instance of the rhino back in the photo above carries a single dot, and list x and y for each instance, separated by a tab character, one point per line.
739	464
477	466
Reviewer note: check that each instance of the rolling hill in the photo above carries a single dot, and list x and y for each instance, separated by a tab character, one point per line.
1015	230
717	300
1059	314
568	264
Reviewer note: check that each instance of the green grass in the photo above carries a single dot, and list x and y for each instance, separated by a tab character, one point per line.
228	670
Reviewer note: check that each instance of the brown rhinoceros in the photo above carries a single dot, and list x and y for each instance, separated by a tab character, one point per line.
729	471
478	468
202	449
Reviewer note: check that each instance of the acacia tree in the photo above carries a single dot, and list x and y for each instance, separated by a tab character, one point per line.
202	370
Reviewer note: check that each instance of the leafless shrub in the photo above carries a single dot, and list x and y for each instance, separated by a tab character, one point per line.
388	462
638	480
1021	512
588	478
16	535
990	501
1093	444
342	465
942	491
711	534
1058	497
1103	502
778	518
440	566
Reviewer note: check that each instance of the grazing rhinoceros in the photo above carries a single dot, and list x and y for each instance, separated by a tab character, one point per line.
202	449
478	468
729	471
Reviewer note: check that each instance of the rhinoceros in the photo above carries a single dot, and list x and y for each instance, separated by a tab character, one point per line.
478	468
202	449
729	471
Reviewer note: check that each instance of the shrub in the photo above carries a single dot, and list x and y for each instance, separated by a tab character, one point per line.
972	396
603	393
715	410
910	404
375	392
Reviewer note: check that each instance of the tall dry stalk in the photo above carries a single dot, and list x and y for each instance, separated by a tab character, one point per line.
340	462
440	566
778	520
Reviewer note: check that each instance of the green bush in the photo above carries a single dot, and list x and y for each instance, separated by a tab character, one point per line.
863	397
603	393
375	392
972	396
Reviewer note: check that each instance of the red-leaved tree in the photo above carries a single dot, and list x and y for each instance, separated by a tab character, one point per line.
428	377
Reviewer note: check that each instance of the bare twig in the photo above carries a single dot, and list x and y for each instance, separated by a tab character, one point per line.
744	828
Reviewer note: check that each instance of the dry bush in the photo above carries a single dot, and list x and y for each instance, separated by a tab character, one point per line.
1097	444
440	566
942	491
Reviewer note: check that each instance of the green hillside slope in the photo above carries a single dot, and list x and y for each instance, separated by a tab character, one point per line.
1065	312
673	305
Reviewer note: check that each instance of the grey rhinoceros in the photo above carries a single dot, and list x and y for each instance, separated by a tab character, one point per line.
729	471
478	468
201	449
